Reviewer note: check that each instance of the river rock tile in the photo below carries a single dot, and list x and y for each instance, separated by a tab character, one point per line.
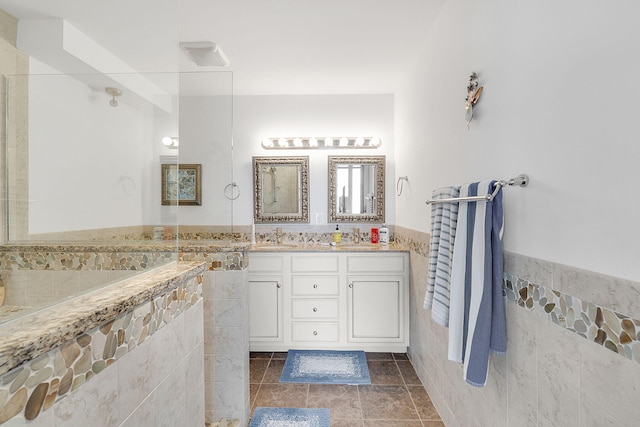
14	406
35	402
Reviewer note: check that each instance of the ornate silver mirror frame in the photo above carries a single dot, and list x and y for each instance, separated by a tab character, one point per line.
280	189
356	188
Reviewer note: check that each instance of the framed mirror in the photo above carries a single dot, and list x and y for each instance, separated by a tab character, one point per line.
280	189
356	188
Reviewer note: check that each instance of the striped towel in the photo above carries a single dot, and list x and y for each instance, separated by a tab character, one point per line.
444	218
477	316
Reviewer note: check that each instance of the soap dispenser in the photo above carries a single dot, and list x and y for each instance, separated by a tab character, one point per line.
337	235
383	235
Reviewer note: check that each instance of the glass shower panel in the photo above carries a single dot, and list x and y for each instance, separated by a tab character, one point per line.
206	135
83	155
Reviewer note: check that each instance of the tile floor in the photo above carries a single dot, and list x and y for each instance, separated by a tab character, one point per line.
395	397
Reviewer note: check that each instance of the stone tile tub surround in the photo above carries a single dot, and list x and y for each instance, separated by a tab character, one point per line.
551	375
130	314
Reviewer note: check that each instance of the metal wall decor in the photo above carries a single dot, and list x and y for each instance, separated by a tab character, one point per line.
473	95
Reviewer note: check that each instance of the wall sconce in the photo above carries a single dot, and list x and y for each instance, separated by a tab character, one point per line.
171	141
326	143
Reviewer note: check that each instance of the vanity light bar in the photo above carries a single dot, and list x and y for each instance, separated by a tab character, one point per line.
328	142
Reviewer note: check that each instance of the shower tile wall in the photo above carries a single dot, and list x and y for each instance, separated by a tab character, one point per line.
12	61
559	369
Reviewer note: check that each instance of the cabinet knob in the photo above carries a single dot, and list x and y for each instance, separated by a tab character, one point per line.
315	286
351	285
315	332
278	285
315	309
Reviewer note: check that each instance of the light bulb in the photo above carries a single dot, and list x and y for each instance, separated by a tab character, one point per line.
167	141
313	142
113	102
328	142
267	143
374	142
344	142
297	142
282	142
359	141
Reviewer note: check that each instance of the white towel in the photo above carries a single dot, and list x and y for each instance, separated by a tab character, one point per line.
457	311
443	230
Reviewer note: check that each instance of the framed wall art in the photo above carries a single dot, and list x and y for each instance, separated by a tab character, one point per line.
182	184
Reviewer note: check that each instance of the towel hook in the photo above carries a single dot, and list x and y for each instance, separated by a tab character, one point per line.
400	184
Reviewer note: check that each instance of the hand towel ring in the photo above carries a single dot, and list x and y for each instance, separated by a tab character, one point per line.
232	191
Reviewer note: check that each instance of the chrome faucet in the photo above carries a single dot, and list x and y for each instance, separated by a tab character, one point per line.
356	235
279	235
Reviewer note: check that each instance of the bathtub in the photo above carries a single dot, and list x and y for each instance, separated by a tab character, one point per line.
33	278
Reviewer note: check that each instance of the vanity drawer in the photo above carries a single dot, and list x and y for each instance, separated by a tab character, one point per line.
366	264
268	263
315	285
314	331
325	264
314	308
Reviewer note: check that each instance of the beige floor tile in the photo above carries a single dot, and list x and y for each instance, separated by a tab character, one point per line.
423	404
282	396
386	402
257	368
384	372
274	371
342	400
408	373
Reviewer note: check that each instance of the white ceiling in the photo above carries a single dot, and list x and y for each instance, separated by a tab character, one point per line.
274	46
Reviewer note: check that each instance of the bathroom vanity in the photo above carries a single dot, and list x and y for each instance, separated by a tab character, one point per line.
329	298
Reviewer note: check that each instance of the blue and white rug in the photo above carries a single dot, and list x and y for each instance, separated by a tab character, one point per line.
290	417
326	367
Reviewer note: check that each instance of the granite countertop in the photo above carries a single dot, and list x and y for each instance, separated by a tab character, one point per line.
128	246
26	338
209	246
326	247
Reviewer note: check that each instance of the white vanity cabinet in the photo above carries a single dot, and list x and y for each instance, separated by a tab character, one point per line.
265	299
329	300
377	298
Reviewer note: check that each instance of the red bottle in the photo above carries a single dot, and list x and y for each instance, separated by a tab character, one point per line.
374	235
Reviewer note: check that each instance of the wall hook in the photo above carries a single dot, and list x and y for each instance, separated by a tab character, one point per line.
400	184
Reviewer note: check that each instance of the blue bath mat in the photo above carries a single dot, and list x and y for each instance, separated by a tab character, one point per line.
326	367
290	417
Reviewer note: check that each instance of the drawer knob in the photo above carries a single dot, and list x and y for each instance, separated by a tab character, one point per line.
315	332
315	309
315	286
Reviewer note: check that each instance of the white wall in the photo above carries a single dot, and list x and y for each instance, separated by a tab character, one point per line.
85	157
205	130
558	104
259	117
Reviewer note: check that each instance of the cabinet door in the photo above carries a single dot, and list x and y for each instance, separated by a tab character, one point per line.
265	309
376	308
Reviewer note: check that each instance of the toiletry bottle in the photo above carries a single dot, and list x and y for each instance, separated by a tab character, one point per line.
337	235
383	235
374	235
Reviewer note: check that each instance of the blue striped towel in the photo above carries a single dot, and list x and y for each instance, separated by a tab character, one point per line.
444	218
477	317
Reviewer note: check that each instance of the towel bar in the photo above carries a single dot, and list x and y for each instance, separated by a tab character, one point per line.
521	180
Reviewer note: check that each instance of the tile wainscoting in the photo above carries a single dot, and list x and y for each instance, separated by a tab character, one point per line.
572	348
123	372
